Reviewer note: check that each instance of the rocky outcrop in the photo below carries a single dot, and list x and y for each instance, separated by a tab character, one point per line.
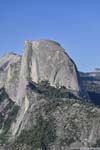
9	73
47	60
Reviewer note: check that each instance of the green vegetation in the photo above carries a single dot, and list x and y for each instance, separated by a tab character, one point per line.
11	117
3	95
1	120
8	114
72	133
3	139
50	92
10	109
7	123
97	143
42	134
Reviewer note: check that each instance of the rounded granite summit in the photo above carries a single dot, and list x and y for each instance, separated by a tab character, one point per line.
47	60
44	41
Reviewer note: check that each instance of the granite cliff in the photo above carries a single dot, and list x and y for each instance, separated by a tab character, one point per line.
43	105
45	60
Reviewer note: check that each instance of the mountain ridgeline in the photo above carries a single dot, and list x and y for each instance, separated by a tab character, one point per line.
45	103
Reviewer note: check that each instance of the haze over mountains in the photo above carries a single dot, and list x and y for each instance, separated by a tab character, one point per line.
45	103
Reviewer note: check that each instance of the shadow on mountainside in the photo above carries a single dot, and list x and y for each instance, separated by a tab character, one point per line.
95	97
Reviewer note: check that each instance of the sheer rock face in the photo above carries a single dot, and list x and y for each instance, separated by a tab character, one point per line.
47	60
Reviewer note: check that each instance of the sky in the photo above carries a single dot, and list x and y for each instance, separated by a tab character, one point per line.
75	24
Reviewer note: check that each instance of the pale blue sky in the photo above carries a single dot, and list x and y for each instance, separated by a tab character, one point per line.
75	24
